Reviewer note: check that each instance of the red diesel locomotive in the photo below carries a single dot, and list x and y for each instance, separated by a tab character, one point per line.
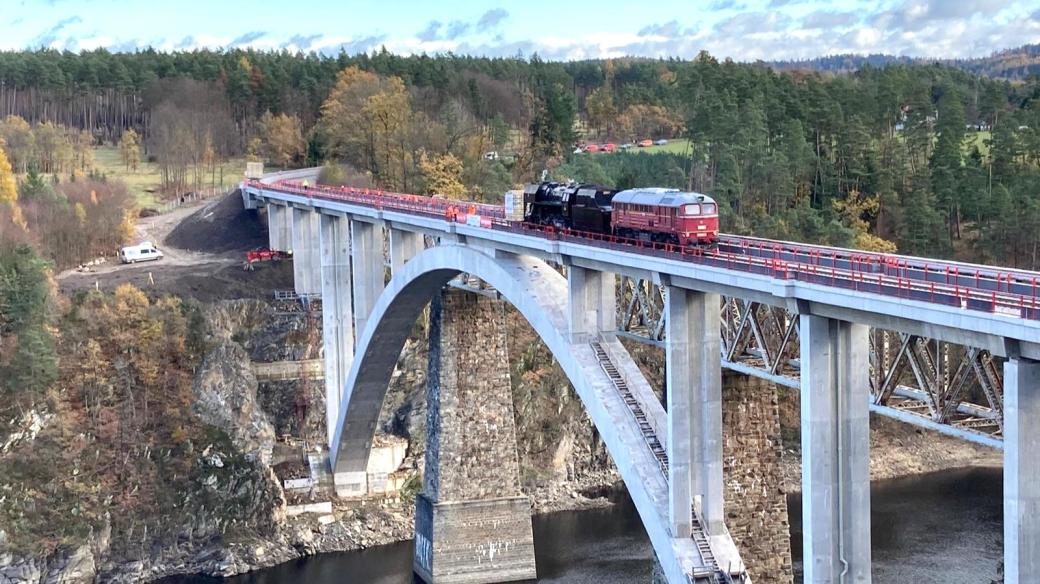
666	215
648	214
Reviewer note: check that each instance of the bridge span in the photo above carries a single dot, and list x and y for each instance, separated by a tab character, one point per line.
950	346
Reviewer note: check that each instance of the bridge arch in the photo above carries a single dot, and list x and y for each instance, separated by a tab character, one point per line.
539	293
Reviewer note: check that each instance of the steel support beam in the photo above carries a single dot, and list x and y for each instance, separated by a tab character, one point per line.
694	381
366	246
835	451
337	313
1021	471
306	252
591	302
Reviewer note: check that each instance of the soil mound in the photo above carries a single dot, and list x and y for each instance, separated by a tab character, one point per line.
219	227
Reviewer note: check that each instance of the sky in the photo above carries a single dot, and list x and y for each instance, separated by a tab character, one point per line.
744	30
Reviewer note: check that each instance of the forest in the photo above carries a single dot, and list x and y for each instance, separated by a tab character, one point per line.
919	158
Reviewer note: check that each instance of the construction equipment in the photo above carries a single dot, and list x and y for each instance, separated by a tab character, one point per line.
264	255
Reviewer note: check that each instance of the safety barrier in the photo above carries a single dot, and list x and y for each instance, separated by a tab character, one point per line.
1012	293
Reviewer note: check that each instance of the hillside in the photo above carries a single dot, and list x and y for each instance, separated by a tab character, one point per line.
1013	64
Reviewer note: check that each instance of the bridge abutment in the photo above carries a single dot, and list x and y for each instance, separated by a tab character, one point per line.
472	524
835	450
1021	471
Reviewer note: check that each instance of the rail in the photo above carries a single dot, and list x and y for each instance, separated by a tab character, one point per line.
1009	293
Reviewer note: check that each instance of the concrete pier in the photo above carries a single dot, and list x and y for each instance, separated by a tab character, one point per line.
306	251
472	523
835	451
592	303
404	245
279	229
367	269
337	316
1021	471
694	381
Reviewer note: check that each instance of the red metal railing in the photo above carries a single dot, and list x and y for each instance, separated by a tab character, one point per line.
1010	293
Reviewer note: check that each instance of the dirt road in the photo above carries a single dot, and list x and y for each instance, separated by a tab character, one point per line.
197	274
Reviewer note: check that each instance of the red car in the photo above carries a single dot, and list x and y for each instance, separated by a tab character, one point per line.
592	148
609	147
665	215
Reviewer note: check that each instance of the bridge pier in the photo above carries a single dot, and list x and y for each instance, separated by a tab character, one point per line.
835	396
404	245
278	227
336	313
592	303
306	252
472	523
1021	471
366	245
694	381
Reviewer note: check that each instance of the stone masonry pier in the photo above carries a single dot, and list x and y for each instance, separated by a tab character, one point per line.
472	523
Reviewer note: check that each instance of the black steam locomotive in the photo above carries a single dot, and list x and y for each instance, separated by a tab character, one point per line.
647	214
584	207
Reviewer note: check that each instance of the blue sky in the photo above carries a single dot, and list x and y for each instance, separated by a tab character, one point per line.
740	29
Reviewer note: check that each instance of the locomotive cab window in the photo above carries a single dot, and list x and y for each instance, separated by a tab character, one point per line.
692	210
709	209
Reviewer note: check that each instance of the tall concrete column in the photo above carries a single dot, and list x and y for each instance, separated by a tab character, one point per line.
279	229
592	304
835	451
694	380
404	245
366	243
337	313
472	523
306	251
1021	471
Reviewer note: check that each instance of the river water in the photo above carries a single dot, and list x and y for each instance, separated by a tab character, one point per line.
941	528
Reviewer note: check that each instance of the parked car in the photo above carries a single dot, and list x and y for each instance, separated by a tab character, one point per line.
627	145
661	142
592	148
609	147
645	143
142	252
493	155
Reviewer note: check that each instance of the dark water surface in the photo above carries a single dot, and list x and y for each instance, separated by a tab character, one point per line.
941	528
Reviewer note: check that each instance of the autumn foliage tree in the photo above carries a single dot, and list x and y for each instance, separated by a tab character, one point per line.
282	138
130	149
443	175
9	192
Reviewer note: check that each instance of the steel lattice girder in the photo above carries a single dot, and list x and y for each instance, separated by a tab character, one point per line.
951	388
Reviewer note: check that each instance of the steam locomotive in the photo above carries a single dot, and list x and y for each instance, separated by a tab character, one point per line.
648	214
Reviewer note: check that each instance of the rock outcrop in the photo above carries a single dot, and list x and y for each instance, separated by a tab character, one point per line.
225	391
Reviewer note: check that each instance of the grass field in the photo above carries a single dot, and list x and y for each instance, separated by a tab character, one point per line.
676	146
977	139
144	182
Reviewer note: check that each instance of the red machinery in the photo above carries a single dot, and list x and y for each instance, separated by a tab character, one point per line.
264	255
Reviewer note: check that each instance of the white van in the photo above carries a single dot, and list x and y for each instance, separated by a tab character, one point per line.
141	252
